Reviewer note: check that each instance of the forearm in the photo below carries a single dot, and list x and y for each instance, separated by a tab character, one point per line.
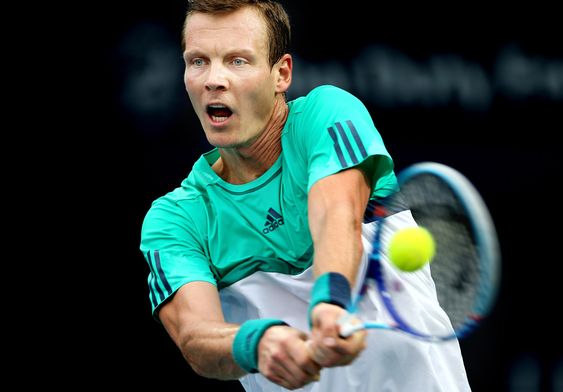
207	347
336	209
339	245
194	320
337	241
216	349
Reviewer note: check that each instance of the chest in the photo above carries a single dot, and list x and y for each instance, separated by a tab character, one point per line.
267	222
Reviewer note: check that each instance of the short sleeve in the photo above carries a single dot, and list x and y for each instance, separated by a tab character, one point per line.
174	251
337	133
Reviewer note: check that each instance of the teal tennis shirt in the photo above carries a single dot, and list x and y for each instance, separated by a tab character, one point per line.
213	231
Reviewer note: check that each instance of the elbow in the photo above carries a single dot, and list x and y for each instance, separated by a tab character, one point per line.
200	367
197	360
203	371
213	366
218	373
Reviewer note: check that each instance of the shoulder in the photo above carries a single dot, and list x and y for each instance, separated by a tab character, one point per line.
332	96
326	100
191	192
327	91
172	218
181	204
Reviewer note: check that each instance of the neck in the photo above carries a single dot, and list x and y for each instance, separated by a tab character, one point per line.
244	164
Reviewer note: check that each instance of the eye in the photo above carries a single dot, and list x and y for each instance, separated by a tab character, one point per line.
198	62
239	62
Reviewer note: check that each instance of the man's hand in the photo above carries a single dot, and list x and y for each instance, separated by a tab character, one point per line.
283	358
327	348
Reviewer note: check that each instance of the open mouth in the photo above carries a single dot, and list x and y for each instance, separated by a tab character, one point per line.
218	112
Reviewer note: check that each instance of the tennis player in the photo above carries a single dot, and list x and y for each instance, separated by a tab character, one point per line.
254	257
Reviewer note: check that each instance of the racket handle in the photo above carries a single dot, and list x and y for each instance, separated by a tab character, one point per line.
347	328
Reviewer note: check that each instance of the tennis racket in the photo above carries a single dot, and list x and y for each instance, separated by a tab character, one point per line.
465	268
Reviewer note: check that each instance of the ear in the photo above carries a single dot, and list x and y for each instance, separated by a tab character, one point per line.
284	70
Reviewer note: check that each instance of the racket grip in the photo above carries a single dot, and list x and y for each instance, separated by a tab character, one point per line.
347	328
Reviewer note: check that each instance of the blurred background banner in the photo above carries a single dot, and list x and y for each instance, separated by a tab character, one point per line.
478	90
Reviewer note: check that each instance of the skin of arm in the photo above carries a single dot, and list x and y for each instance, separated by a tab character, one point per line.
194	320
336	208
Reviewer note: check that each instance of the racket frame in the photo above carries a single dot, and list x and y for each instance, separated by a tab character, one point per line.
484	232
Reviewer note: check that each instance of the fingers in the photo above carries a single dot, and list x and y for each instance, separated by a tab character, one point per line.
283	358
329	349
300	363
303	357
287	374
332	352
287	357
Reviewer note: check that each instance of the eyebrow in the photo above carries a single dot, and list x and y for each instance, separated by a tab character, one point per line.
231	52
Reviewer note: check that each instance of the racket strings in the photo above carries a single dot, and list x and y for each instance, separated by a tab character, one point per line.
455	267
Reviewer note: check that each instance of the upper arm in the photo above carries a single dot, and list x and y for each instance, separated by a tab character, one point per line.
193	303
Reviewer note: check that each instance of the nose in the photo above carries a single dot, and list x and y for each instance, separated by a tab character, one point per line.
216	78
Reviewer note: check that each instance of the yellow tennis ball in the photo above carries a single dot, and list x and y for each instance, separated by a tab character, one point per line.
411	248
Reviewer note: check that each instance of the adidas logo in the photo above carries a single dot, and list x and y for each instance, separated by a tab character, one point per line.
273	221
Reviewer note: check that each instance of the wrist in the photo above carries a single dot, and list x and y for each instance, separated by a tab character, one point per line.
245	343
332	288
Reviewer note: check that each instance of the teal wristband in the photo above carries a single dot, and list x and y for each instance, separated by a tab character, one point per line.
332	288
245	344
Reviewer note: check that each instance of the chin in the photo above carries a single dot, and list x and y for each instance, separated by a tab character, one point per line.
223	142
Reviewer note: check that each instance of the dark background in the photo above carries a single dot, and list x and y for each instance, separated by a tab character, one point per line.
479	90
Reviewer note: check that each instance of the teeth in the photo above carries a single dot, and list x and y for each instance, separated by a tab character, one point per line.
219	119
217	106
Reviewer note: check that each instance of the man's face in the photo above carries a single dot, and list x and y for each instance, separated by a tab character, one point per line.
228	78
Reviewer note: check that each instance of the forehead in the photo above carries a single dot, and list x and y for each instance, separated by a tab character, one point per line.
244	26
